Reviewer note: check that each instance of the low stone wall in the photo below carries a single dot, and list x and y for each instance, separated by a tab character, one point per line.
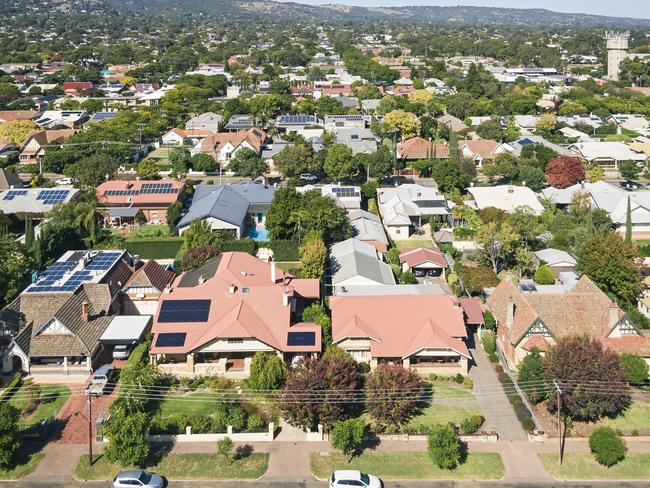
266	436
477	437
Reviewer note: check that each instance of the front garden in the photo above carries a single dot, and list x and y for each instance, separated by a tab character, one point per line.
37	402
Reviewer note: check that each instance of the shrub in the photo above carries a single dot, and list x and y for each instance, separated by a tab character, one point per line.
285	250
444	446
239	245
531	375
433	377
224	448
544	275
408	278
493	357
236	416
607	446
476	278
200	425
459	378
528	424
347	436
489	342
468	383
472	424
9	442
634	368
219	421
392	256
255	423
490	321
267	372
363	368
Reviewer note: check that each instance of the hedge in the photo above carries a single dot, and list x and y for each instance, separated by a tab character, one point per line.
155	248
241	245
283	250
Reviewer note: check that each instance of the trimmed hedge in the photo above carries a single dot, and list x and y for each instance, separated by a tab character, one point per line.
155	248
241	245
283	250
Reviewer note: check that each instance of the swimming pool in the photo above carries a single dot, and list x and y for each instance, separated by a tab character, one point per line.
258	234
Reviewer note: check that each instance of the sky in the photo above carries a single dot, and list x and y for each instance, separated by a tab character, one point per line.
616	8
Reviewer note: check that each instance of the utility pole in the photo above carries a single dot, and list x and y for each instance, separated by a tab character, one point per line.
559	425
89	419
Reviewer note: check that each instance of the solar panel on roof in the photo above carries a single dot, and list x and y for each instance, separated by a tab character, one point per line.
52	197
301	339
173	339
11	194
429	203
184	311
345	192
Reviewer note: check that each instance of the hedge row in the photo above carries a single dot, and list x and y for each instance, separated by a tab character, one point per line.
283	250
155	248
242	245
521	411
12	387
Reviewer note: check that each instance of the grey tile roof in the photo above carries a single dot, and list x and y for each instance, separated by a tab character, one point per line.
207	271
220	202
367	227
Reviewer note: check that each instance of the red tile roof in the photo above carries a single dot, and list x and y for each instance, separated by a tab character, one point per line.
153	274
537	341
485	148
136	198
254	137
421	255
421	148
400	326
473	310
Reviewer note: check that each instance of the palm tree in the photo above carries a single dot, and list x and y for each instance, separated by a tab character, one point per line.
86	215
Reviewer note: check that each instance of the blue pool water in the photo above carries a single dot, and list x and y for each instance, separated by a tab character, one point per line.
258	234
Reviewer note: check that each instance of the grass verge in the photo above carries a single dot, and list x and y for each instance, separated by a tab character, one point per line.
410	465
179	404
199	466
21	470
440	414
582	466
635	418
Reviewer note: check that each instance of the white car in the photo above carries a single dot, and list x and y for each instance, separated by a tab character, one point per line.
352	477
64	181
121	351
308	177
138	477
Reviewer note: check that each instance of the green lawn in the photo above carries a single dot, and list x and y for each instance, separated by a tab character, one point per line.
287	265
53	398
22	470
410	465
149	231
440	414
183	466
452	391
637	417
583	467
196	407
413	244
160	155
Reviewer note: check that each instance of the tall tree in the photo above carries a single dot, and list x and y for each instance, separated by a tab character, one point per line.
564	171
339	164
9	442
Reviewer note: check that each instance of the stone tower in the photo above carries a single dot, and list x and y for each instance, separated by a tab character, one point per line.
617	46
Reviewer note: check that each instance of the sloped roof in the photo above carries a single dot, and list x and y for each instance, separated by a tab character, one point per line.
353	258
367	227
9	180
254	137
222	203
151	274
485	148
421	148
420	255
506	197
553	256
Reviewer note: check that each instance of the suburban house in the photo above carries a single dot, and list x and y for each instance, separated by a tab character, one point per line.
481	150
305	125
522	142
420	148
125	201
557	260
424	262
56	323
77	86
367	227
35	201
213	319
360	140
347	197
332	122
224	145
239	122
33	150
181	137
454	124
207	121
537	318
505	197
609	155
231	208
10	115
62	119
425	332
142	291
356	263
407	207
633	122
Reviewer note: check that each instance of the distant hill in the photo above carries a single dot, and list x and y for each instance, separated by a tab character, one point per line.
460	15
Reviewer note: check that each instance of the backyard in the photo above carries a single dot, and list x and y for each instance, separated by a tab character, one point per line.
409	465
414	244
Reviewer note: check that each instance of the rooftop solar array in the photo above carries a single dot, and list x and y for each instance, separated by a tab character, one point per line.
298	119
301	339
429	203
67	276
527	286
52	197
184	311
345	191
173	339
104	115
11	194
145	189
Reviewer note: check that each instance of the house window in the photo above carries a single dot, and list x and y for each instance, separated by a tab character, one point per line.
235	341
245	290
538	329
360	355
354	137
398	231
228	155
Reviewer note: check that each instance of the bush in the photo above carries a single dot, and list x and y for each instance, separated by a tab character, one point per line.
241	245
459	378
200	425
528	424
155	249
475	279
236	416
219	421
444	446
607	446
196	257
267	372
363	368
468	383
634	368
285	250
255	423
472	424
347	436
408	278
544	275
174	424
493	357
490	321
489	342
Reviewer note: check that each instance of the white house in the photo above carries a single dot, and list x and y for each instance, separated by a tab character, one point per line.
505	197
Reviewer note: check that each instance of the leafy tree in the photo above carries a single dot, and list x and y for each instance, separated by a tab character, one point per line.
267	372
544	275
629	170
531	376
15	264
247	163
174	214
316	313
16	131
595	173
564	171
381	163
285	202
205	162
490	129
575	362
405	122
225	447
9	442
496	242
634	368
312	256
336	380
533	177
392	410
613	264
347	436
449	176
179	158
93	171
461	105
607	446
127	434
294	160
148	170
197	256
546	122
476	279
572	108
444	447
503	166
200	234
339	164
408	278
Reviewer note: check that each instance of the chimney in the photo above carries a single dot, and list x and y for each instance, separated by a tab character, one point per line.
613	314
201	280
168	288
232	288
511	190
85	311
286	293
510	313
273	270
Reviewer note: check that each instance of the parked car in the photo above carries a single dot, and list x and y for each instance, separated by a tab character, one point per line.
121	351
308	177
137	477
103	376
64	181
352	477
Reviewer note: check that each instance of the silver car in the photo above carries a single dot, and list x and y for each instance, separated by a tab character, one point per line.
137	477
351	477
121	351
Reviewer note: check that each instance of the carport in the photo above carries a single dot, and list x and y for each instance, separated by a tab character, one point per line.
126	329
